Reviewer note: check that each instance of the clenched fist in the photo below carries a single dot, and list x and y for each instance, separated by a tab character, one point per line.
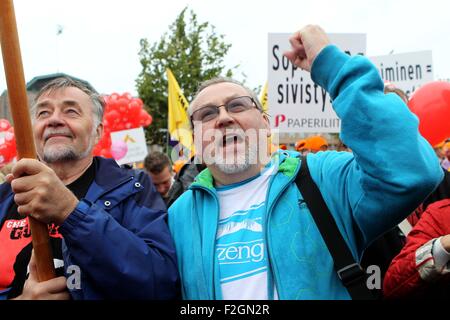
306	45
40	193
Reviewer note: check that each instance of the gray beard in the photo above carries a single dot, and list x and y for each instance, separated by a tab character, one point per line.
233	168
64	155
240	164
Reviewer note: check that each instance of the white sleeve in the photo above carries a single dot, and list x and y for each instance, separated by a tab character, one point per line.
440	255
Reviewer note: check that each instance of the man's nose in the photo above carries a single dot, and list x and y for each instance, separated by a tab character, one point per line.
224	118
55	119
161	189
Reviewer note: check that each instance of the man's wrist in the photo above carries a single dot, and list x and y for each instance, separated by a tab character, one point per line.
73	203
440	255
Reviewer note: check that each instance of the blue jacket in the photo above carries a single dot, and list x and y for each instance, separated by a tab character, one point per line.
118	236
392	169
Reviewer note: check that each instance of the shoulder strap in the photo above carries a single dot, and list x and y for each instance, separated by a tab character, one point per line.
349	271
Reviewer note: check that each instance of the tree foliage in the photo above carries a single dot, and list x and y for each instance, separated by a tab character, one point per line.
193	51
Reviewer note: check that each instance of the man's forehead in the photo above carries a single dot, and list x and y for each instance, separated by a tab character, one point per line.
162	176
218	93
66	93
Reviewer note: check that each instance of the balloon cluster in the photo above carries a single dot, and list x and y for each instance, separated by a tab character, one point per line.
122	112
7	142
431	104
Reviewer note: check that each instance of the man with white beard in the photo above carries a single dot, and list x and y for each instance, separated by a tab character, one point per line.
243	231
107	225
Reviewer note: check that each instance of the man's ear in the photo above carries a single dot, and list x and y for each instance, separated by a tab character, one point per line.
99	133
267	124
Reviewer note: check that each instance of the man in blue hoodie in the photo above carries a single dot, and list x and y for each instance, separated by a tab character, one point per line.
107	225
242	231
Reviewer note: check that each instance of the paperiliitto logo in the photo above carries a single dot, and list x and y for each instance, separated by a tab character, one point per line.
279	118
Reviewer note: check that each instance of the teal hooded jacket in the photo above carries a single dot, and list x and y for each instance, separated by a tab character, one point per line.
391	171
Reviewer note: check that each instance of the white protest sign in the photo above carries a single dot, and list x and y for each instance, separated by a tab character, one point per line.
407	71
296	104
135	141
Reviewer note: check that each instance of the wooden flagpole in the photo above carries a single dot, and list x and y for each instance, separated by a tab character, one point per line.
18	102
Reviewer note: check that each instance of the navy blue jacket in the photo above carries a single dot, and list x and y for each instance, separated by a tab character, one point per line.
118	237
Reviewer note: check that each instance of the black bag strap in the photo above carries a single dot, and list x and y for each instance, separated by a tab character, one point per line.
349	271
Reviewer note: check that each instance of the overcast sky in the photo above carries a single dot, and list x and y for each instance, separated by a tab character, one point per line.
100	38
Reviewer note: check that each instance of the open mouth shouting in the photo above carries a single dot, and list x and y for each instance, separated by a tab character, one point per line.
231	140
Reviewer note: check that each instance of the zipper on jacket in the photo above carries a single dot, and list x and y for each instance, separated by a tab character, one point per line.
214	244
273	266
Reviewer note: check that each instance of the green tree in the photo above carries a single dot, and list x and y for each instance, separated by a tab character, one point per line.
193	51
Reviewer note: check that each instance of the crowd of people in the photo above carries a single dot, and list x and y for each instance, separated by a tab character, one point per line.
236	222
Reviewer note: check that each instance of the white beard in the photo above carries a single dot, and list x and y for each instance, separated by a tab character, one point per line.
239	163
64	153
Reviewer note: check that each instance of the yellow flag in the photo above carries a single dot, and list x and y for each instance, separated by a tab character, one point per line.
179	127
263	98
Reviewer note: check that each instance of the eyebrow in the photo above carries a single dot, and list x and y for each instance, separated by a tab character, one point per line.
66	103
42	104
71	103
227	99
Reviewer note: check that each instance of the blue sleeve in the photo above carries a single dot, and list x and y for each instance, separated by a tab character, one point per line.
392	169
4	294
133	259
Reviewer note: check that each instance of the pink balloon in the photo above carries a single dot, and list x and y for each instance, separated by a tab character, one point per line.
119	149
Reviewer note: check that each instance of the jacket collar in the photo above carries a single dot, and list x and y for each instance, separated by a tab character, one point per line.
108	175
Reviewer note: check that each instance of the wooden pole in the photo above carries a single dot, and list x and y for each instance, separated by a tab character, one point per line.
18	102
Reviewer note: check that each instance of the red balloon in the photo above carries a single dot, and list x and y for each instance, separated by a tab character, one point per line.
431	104
119	127
96	150
135	122
147	120
114	96
112	116
4	125
106	99
112	105
9	136
5	153
13	146
7	142
107	140
122	102
127	96
105	124
106	153
134	109
123	111
138	101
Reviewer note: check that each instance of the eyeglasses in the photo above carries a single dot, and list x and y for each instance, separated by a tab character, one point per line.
235	105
